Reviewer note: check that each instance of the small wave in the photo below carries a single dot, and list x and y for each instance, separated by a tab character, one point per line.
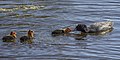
22	7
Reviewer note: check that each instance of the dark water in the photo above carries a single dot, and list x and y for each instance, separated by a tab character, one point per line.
44	16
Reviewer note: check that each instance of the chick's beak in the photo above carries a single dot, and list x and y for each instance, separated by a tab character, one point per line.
67	30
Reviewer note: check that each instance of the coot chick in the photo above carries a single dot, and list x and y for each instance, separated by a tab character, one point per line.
29	37
10	38
62	31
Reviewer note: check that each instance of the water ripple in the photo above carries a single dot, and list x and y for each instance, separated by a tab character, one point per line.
44	16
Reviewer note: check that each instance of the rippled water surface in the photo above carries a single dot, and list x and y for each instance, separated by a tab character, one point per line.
44	16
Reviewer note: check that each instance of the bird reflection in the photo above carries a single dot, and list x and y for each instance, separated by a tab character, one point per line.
30	41
82	36
14	40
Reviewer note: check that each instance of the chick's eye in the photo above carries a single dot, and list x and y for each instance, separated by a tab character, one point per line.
31	31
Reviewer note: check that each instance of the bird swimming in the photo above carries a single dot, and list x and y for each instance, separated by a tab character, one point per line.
95	27
62	31
29	37
10	38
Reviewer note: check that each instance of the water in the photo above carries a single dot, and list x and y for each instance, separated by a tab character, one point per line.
44	16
